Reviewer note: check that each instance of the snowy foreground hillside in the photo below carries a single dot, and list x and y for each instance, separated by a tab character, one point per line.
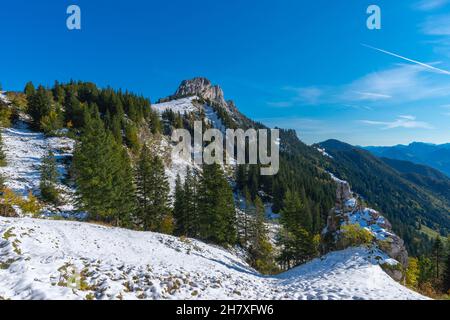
48	259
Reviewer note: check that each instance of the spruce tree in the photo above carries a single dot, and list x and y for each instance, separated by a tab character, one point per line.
178	208
29	89
49	178
446	277
74	109
153	190
40	104
241	176
103	174
131	137
3	162
217	215
124	193
296	238
186	206
247	214
438	248
191	203
155	122
261	250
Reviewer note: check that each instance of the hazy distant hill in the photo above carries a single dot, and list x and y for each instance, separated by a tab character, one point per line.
435	156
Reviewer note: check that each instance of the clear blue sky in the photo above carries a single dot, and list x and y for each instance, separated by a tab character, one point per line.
296	64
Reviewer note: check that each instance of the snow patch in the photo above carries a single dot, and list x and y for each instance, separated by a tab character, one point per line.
182	106
24	151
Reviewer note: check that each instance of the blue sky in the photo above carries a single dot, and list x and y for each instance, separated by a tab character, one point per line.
295	64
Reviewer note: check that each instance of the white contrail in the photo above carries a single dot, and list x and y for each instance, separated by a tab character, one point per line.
407	59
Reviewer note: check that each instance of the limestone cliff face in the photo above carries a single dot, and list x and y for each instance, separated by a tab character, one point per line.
203	88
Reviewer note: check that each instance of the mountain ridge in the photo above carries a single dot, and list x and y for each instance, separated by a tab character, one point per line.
436	156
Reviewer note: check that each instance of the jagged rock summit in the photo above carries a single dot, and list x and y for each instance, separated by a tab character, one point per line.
204	89
201	87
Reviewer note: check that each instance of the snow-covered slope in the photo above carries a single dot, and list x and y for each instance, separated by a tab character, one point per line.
45	259
24	152
3	97
191	104
184	105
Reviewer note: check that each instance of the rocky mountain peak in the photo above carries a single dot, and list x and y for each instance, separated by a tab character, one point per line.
202	88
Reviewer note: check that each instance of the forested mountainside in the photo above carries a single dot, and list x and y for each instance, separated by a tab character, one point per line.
122	142
432	155
410	196
422	175
117	169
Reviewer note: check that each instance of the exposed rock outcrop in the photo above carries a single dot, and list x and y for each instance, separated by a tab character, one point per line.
349	211
204	89
201	87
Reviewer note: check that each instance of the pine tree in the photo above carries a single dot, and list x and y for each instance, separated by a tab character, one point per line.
152	190
438	248
191	203
261	250
292	209
298	241
49	179
426	272
74	109
2	152
103	174
446	277
131	137
178	208
155	122
40	104
217	215
124	193
58	93
186	206
241	176
245	219
29	89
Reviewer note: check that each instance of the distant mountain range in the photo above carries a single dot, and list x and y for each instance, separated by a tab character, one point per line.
432	155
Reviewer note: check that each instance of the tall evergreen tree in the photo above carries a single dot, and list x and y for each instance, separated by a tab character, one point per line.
191	203
297	239
124	191
446	277
74	109
247	215
131	137
29	89
49	178
186	206
179	207
260	249
152	190
155	122
2	152
103	175
40	104
217	215
438	254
